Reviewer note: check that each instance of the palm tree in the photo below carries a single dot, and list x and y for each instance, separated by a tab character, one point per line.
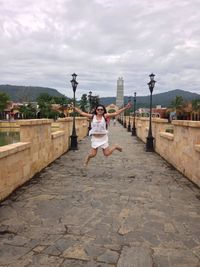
4	98
177	104
196	105
84	102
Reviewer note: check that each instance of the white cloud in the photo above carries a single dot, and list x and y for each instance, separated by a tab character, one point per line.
43	42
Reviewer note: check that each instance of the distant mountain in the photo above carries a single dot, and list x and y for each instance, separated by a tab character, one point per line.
26	93
30	93
163	99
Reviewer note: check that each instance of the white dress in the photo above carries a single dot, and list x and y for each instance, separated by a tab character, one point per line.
98	127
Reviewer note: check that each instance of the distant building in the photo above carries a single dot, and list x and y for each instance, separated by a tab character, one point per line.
112	108
157	112
144	112
120	92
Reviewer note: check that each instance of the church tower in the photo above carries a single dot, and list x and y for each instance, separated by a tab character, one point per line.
120	92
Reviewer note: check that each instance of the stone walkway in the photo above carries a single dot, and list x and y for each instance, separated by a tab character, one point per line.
129	210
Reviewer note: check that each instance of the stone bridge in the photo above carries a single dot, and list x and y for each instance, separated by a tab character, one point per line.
132	209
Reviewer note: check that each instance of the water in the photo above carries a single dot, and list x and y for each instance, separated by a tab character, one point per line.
9	137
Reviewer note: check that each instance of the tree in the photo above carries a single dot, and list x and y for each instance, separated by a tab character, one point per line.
84	102
62	100
44	98
94	101
177	104
44	101
196	105
4	98
28	111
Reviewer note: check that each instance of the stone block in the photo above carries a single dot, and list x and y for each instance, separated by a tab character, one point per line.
135	257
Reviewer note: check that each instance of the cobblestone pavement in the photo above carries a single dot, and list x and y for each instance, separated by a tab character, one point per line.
128	210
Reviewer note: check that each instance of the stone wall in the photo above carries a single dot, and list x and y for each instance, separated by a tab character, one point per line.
180	148
6	126
38	147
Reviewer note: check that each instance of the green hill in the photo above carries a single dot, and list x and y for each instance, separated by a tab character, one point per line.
26	93
30	93
163	99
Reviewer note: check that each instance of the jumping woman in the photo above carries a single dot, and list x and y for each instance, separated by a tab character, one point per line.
99	131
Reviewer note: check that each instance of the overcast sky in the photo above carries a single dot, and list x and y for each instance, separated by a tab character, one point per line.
44	41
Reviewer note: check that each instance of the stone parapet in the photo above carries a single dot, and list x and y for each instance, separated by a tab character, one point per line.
185	123
9	124
180	148
38	147
15	163
34	122
5	151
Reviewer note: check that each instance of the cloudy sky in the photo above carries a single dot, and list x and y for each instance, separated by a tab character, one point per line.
44	41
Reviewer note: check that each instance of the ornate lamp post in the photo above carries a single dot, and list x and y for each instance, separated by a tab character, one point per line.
119	118
90	108
129	122
133	128
74	144
150	138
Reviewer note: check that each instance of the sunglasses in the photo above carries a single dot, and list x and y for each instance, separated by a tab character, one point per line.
100	109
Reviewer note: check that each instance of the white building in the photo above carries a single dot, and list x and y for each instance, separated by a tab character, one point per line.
120	92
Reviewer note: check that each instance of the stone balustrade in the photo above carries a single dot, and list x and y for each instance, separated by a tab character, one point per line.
38	147
180	148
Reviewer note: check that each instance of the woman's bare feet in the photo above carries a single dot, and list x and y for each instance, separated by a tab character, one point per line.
91	154
119	148
86	161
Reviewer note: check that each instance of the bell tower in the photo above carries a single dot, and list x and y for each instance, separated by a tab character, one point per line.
120	92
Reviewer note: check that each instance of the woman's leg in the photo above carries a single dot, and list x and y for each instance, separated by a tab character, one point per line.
108	151
91	154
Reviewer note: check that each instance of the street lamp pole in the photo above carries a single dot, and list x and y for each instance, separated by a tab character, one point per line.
74	144
133	128
124	121
90	109
150	138
129	120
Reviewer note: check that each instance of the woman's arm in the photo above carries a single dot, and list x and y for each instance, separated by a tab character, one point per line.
118	112
85	114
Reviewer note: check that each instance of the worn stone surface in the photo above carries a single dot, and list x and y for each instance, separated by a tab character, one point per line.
135	257
130	209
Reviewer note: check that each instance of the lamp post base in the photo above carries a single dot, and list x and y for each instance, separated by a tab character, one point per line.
74	143
149	144
129	128
133	131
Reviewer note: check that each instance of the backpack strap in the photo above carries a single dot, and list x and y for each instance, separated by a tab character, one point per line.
106	121
91	119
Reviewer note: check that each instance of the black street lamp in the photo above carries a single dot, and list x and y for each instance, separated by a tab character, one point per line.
124	121
74	144
119	118
129	120
124	124
150	138
90	101
133	128
90	109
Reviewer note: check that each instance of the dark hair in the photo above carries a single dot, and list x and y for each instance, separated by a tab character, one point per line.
102	106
